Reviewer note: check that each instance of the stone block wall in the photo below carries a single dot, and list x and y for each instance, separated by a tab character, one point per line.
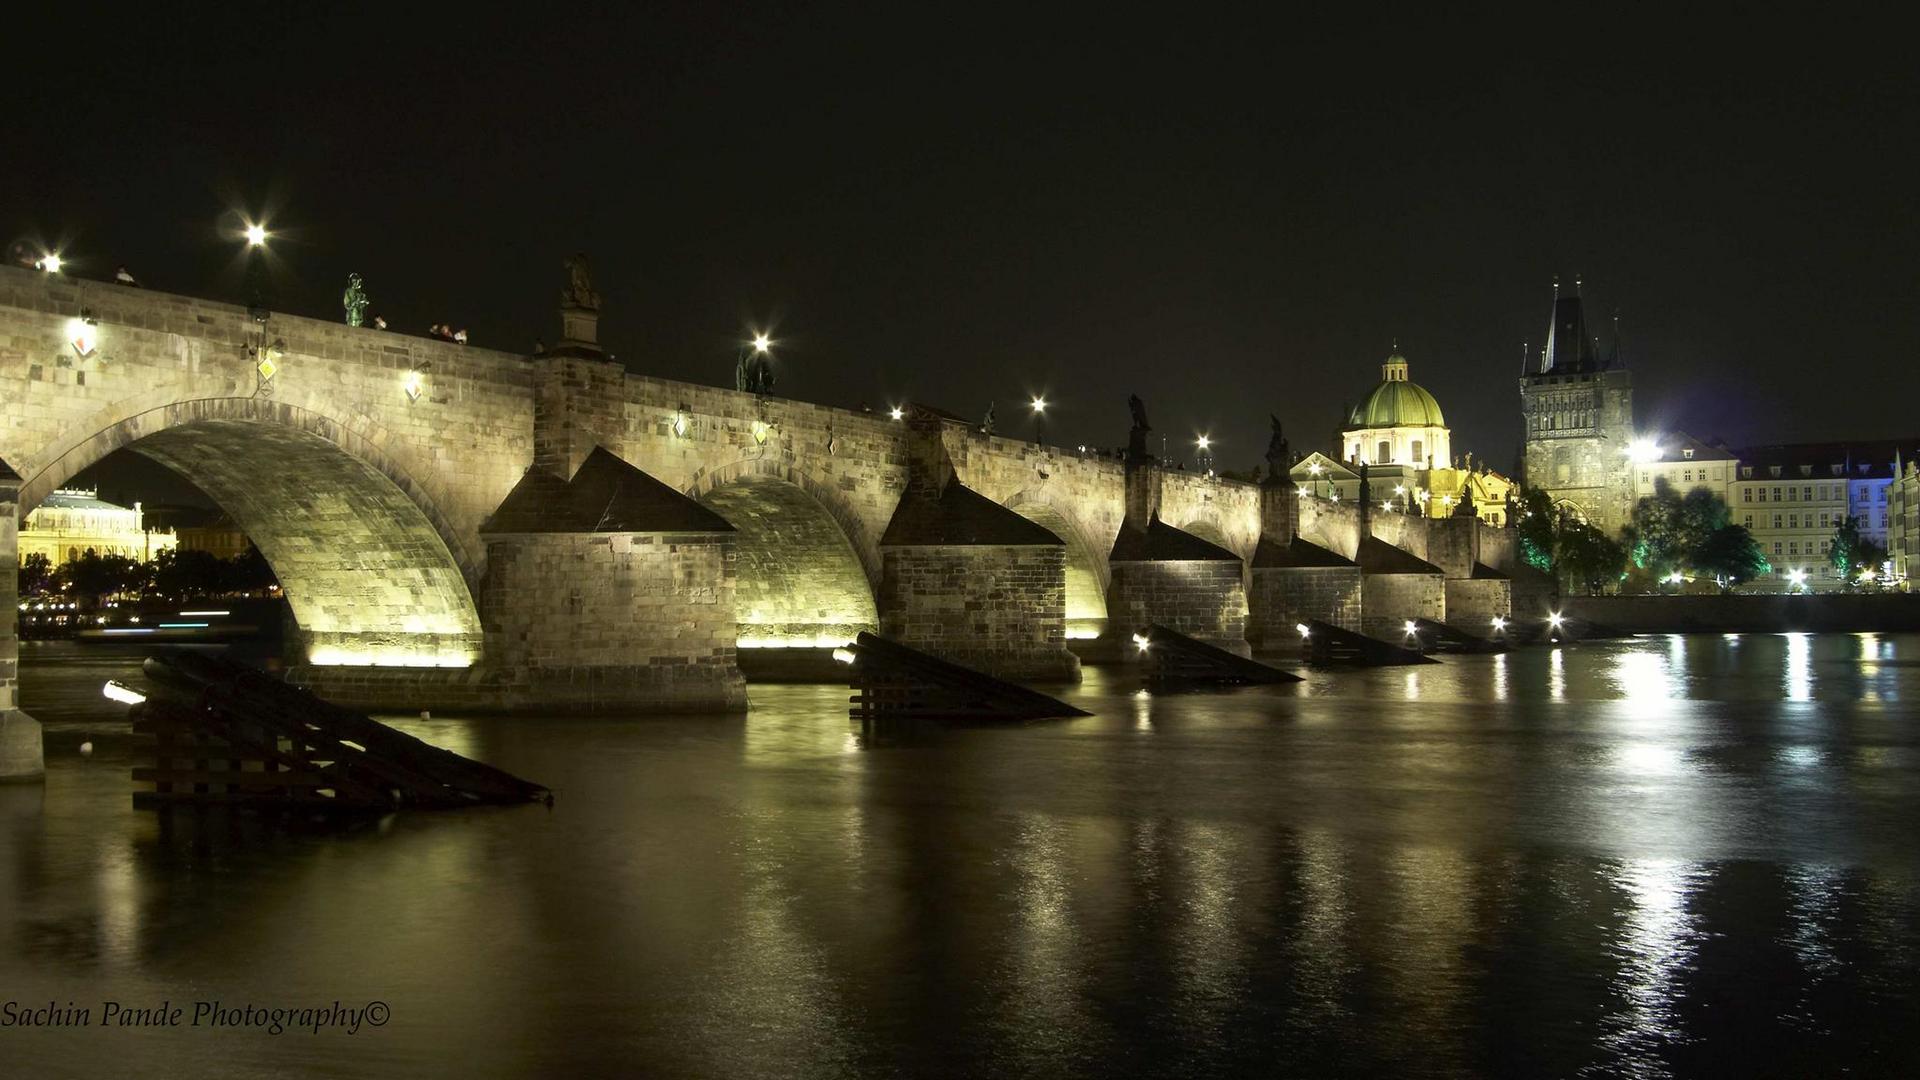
1201	599
578	403
614	621
1389	600
998	609
1283	597
1473	604
21	757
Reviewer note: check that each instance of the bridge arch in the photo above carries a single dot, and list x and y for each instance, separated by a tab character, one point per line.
805	568
372	570
1086	569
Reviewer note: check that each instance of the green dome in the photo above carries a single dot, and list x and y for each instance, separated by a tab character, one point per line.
1397	402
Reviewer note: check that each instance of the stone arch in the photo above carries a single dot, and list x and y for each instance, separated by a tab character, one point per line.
1208	528
1087	572
372	571
804	577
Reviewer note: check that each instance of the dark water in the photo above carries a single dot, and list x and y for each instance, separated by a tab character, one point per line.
1671	856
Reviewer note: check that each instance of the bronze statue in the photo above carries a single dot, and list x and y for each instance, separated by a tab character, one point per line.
1137	435
1277	453
752	371
355	301
579	292
986	425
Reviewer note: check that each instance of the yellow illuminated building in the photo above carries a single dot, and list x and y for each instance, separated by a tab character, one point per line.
72	521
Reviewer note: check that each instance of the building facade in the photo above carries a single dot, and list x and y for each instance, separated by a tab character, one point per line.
1578	412
1793	496
73	521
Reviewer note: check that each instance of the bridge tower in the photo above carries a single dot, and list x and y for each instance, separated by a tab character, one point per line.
1578	412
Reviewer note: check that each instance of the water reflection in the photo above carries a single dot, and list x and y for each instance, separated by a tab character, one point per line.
1625	858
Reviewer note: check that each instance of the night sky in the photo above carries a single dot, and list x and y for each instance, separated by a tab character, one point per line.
1226	216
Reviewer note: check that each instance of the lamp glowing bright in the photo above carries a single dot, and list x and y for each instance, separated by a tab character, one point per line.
118	691
761	343
1039	405
897	412
1642	451
1203	442
1305	630
256	235
1553	618
1412	628
1499	623
50	262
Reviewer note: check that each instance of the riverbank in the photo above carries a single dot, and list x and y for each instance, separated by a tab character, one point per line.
1751	614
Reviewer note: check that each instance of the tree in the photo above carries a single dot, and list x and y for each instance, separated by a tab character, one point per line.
1588	556
1731	557
93	575
249	572
1669	529
1536	528
1852	553
36	574
185	574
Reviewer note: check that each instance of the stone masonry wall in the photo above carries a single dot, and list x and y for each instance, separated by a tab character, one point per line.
1283	597
1389	600
1201	599
997	609
20	753
1472	605
614	621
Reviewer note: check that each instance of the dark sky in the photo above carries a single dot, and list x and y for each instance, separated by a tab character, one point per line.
1226	215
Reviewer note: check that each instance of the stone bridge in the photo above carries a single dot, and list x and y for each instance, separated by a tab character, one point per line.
462	527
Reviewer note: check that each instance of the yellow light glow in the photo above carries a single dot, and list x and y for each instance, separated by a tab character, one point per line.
680	424
83	336
1554	618
761	343
821	641
399	657
897	412
760	430
1411	628
50	262
1305	630
1499	623
414	386
1204	443
115	690
845	656
1039	404
256	235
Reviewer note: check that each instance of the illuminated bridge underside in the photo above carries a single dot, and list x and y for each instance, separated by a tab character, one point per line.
1086	593
369	580
799	583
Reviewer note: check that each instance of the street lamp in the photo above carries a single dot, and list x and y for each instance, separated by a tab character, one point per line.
1400	490
1797	579
256	235
762	343
50	262
897	412
1205	445
1039	405
1313	470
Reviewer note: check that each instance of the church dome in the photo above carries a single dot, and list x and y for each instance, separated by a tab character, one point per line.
1397	402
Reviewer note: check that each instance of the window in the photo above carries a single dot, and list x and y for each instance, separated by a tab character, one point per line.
1826	518
1749	522
1686	476
1746	494
1793	521
1807	493
1385	452
1776	521
1793	547
1418	455
1793	494
1776	494
1776	547
1687	453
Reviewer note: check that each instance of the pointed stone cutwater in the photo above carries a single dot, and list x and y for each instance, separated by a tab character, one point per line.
964	578
610	592
21	754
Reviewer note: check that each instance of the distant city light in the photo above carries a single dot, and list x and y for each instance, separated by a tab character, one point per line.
1553	618
1797	578
1039	404
1499	623
1675	578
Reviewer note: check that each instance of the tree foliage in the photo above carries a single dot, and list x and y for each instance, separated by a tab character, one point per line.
1537	527
36	574
1588	556
1851	553
1731	556
92	575
1669	529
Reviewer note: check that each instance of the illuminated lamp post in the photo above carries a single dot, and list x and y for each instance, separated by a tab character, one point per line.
1039	405
1205	458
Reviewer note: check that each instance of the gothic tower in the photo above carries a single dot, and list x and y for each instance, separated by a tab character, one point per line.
1579	421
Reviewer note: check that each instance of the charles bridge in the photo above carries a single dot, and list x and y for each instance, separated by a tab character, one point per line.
465	528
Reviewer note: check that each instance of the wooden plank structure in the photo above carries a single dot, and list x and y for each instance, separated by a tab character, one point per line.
1174	660
893	682
1329	645
1438	637
226	734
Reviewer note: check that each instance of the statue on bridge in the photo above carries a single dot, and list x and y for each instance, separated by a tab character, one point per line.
579	292
1137	434
1278	454
986	424
355	301
753	371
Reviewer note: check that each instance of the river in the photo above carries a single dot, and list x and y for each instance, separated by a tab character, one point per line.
1667	856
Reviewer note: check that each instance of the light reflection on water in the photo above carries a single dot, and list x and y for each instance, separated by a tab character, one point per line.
1660	856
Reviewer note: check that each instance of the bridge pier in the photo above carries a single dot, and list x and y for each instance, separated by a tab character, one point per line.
1160	575
967	579
21	754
